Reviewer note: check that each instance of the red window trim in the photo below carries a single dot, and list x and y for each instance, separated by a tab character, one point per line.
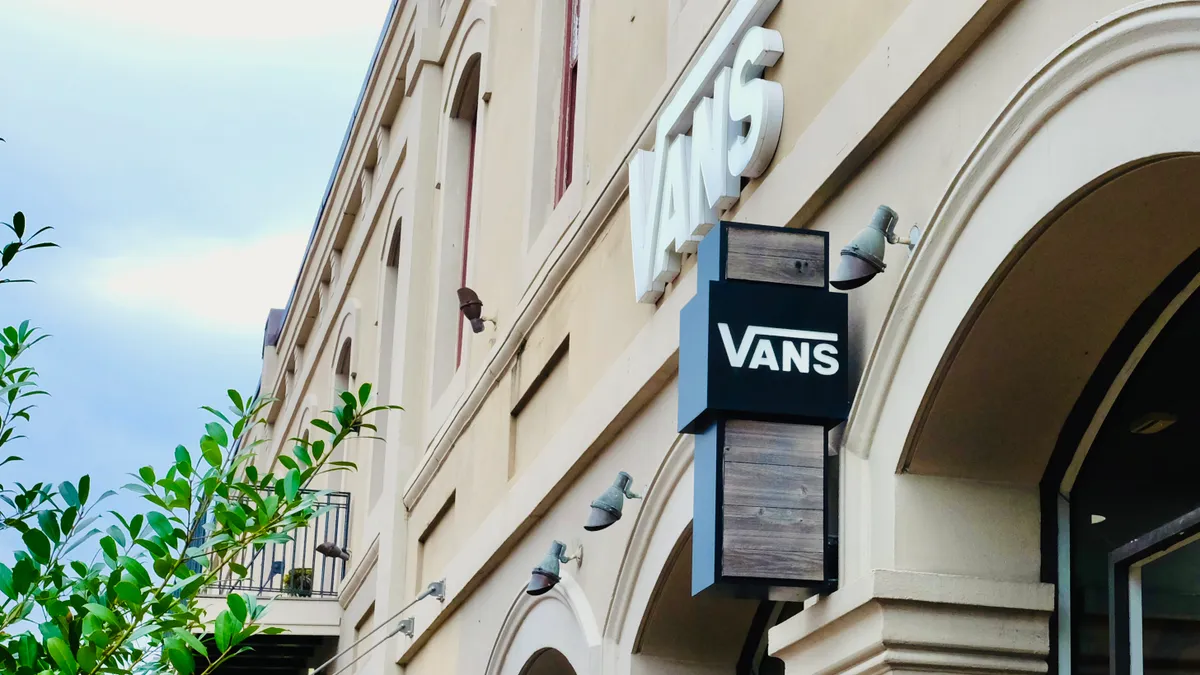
564	164
466	240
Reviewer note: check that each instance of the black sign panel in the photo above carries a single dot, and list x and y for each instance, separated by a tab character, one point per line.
762	351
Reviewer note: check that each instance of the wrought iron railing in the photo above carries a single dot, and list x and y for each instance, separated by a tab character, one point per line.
296	568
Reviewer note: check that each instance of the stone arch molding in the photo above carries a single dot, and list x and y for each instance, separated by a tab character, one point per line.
397	214
475	40
663	519
347	330
1123	92
534	624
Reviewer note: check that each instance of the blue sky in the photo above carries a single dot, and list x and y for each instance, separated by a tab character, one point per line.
181	152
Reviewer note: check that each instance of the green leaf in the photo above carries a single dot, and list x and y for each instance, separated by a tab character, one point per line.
288	462
237	400
349	399
192	641
39	545
135	526
68	519
69	494
128	592
104	613
291	485
323	425
87	658
110	546
23	576
117	535
211	451
364	392
180	657
160	524
237	605
48	521
19	224
226	627
85	486
301	454
217	432
135	569
220	415
61	653
28	649
147	474
6	581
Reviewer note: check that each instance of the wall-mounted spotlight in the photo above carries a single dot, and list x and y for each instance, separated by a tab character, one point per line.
332	550
606	510
407	627
545	575
472	309
862	258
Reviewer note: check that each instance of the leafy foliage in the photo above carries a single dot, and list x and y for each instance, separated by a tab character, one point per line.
134	607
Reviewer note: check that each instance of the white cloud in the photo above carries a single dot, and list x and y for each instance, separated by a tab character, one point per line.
215	285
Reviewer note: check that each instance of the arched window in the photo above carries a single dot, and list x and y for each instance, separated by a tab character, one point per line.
566	114
341	371
389	318
548	662
458	194
342	381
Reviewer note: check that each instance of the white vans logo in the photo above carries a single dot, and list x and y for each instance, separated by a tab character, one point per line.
800	349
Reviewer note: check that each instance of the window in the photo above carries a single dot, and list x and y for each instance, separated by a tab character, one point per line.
570	85
387	350
466	233
341	373
341	382
458	194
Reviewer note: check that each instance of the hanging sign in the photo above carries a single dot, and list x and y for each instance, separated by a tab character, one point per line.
762	376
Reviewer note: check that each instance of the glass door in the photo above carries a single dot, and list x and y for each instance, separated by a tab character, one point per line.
1154	587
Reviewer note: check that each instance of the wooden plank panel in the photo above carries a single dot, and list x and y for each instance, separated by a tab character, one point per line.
791	565
774	443
758	528
788	487
785	257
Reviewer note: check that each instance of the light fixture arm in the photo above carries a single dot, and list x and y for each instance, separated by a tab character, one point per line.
436	589
889	228
576	556
624	483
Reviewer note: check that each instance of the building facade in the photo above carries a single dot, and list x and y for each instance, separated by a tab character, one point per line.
1013	486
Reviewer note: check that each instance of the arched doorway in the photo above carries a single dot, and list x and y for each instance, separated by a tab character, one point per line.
550	634
1076	207
1124	477
702	634
1081	344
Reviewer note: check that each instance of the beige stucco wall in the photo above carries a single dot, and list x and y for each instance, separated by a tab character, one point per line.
884	101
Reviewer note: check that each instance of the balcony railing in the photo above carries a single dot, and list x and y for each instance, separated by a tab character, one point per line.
296	568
